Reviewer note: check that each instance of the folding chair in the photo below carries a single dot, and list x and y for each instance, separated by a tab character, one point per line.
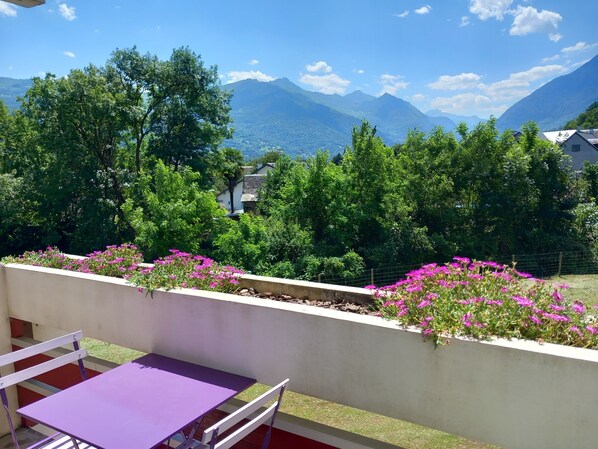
58	440
213	437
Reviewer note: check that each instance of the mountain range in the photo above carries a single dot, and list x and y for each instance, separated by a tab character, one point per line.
557	101
281	115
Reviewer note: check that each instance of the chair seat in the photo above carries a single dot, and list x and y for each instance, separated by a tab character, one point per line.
64	442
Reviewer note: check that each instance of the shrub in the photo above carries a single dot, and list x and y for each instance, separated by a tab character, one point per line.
179	269
185	270
482	300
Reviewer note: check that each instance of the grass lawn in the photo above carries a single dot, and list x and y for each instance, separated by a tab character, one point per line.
582	287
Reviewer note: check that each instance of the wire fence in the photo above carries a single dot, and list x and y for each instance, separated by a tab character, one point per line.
544	265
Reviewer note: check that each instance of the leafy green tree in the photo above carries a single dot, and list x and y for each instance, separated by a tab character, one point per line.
368	165
314	198
174	212
228	163
586	120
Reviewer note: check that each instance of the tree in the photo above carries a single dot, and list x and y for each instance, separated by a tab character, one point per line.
174	110
586	120
174	212
99	129
228	163
368	165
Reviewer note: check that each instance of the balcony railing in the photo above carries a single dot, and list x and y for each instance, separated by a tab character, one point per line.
511	393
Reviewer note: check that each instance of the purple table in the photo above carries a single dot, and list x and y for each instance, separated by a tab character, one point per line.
137	405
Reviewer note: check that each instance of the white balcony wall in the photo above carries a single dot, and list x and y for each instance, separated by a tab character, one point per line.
517	395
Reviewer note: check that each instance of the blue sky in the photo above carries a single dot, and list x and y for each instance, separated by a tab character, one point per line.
459	56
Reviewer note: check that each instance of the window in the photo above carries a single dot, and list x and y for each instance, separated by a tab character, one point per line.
575	148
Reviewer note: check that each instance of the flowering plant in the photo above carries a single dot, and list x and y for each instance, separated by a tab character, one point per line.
482	300
180	269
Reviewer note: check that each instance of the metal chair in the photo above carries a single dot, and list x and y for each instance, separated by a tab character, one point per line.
58	440
214	437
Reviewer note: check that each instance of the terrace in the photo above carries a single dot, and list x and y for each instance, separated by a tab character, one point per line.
510	393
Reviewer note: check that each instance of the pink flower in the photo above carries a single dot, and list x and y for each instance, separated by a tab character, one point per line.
579	307
592	329
523	301
424	303
535	319
556	317
466	319
557	308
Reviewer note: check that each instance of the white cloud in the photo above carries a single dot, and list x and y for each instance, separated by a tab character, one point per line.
70	54
391	84
456	82
464	21
68	12
423	10
580	46
403	14
486	9
416	98
529	20
517	85
327	84
359	71
235	76
555	37
551	58
320	66
254	62
7	10
468	103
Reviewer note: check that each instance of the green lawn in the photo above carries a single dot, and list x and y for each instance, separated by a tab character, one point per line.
582	287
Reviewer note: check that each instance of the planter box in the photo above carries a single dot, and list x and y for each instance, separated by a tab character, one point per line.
515	394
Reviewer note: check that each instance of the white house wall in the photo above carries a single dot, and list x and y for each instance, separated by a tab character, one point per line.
587	152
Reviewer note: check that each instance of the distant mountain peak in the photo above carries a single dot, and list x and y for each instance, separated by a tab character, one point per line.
557	101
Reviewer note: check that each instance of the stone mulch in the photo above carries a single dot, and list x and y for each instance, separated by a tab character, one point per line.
342	306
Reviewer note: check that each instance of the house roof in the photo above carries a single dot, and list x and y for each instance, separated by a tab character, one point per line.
560	137
251	186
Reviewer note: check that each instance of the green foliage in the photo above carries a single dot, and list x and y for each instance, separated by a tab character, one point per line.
228	165
171	211
586	120
82	146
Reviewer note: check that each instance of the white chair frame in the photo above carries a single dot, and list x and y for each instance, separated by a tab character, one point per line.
211	436
58	440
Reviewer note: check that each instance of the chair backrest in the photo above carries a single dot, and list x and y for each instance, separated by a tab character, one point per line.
211	434
25	374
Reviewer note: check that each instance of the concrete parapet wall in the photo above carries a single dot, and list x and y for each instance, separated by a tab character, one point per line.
515	394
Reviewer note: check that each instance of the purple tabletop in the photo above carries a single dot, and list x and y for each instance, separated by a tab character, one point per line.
137	405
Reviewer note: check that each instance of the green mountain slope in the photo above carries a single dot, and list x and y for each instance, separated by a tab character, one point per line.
558	101
11	89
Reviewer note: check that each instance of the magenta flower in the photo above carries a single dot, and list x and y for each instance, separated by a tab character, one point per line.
592	329
522	301
579	307
466	319
424	303
535	319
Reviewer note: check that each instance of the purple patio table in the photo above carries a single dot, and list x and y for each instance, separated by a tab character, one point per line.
137	405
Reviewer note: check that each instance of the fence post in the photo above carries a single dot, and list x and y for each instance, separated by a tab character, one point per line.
320	278
560	262
372	276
